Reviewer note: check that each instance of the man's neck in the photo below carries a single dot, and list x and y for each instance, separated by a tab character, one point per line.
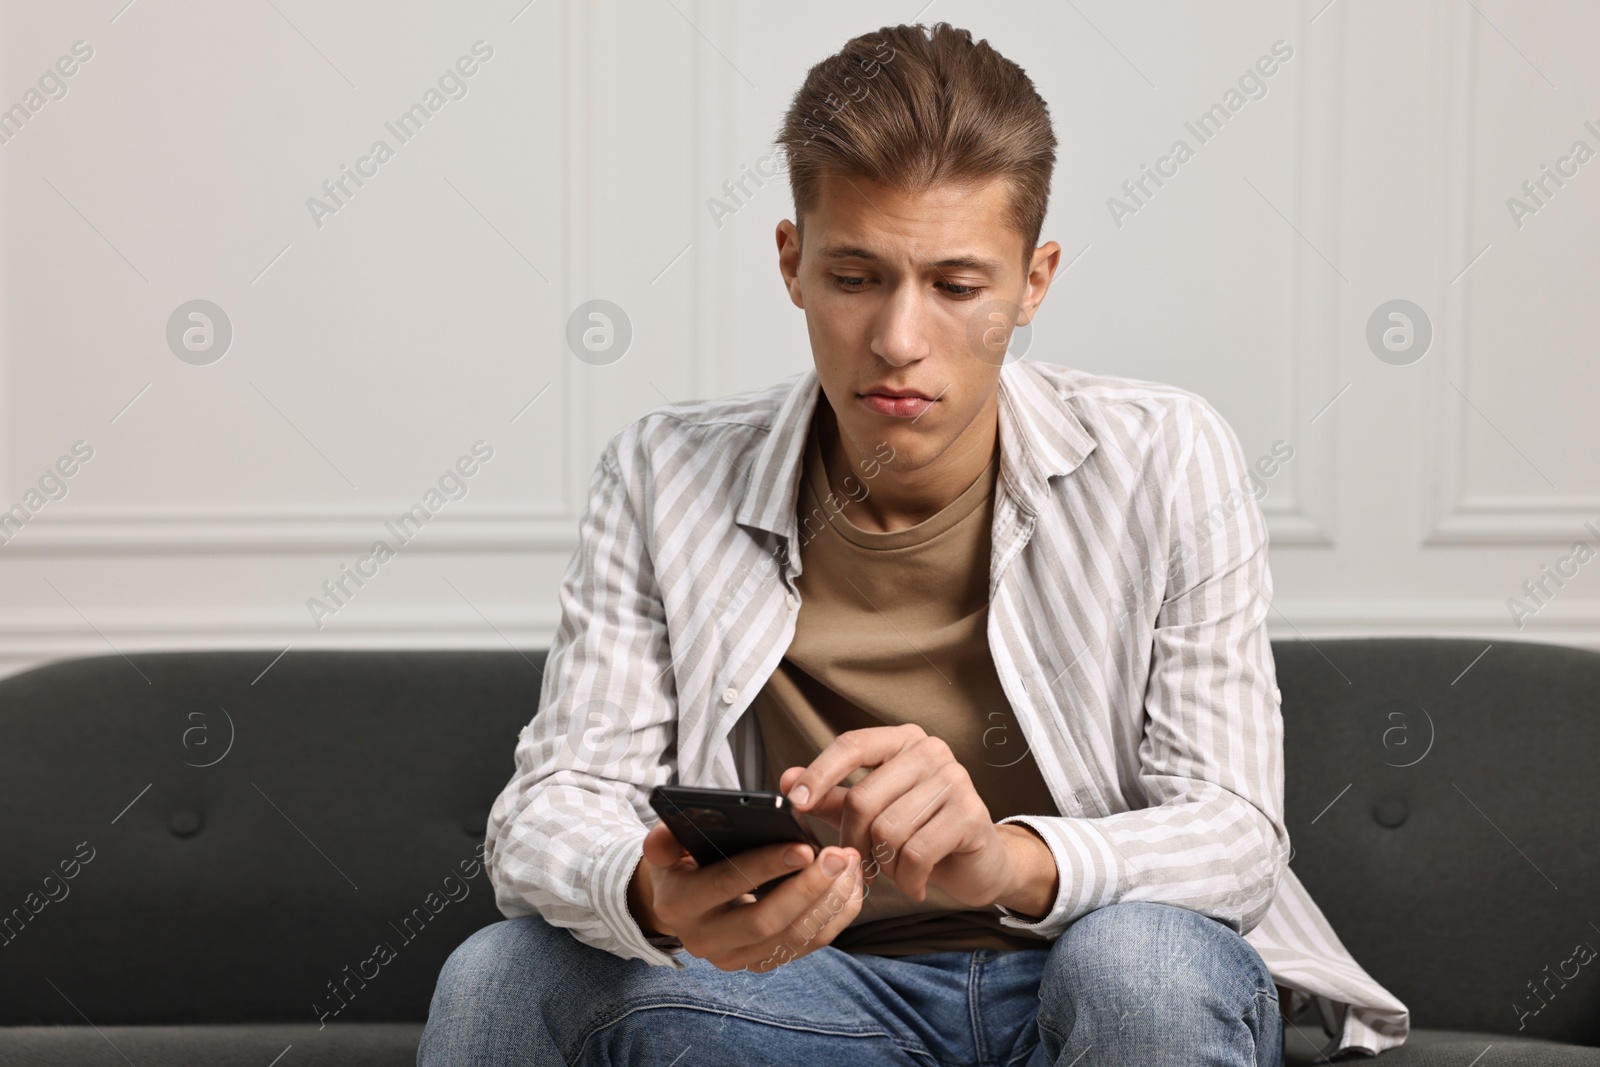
897	500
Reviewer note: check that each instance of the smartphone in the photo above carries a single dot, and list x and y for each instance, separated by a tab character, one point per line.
718	824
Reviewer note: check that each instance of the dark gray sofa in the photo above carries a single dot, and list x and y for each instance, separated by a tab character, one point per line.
237	846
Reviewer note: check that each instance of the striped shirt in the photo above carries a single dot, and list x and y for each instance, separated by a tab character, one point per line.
1128	594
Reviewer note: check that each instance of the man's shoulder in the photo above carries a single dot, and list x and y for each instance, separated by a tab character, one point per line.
756	407
1125	409
1091	389
731	426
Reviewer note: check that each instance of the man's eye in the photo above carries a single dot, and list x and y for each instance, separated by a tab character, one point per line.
958	292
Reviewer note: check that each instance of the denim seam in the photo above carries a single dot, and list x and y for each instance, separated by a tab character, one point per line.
1030	1041
1052	1031
912	1048
974	1011
1255	1016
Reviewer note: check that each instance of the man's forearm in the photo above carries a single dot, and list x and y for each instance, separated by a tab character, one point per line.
1037	882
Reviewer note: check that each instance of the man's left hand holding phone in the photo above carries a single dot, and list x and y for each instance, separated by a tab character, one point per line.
714	909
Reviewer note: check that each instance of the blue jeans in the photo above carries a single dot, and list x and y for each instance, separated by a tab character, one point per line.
1129	984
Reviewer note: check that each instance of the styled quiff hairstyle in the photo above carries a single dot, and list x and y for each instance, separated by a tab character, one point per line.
913	107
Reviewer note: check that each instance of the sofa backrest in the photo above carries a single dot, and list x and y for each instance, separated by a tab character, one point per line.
1443	803
239	848
345	792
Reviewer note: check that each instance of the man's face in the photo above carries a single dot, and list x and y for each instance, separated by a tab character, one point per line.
911	292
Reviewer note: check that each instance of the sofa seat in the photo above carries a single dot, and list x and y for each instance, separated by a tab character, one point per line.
395	1045
214	1045
1448	1048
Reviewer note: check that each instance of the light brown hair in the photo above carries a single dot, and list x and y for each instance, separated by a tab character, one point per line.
912	107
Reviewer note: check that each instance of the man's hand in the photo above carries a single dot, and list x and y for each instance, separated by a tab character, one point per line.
712	911
919	818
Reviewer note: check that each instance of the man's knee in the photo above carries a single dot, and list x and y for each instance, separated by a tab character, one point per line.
493	956
500	973
1134	967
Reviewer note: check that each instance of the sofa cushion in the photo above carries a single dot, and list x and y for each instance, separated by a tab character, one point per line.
1442	809
1449	1048
211	1045
395	1045
255	837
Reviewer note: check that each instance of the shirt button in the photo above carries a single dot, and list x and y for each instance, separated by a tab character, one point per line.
729	695
794	601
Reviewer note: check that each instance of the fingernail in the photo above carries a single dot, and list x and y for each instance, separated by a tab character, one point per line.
833	863
800	795
795	857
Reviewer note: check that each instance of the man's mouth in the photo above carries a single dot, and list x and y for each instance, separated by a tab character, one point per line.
897	403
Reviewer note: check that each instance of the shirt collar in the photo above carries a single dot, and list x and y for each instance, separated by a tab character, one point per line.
1040	437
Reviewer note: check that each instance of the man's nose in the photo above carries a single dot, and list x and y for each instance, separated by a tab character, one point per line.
902	330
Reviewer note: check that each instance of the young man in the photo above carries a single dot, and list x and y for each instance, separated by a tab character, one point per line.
996	628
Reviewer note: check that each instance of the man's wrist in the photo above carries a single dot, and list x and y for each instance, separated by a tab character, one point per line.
641	902
1036	879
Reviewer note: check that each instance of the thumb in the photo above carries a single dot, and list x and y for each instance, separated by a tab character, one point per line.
661	848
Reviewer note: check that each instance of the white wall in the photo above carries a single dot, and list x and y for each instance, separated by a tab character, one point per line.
372	346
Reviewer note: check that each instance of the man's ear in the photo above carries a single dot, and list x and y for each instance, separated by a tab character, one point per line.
788	238
1040	274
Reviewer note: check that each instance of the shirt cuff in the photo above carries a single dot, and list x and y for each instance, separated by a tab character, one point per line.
610	877
1083	862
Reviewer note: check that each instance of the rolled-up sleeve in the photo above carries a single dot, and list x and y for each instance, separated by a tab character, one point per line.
566	834
1211	836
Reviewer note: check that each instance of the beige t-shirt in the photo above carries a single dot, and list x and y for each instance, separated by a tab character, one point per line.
892	628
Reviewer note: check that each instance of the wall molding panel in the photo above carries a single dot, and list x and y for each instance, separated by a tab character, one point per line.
589	146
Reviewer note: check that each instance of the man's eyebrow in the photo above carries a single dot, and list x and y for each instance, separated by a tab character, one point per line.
978	263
